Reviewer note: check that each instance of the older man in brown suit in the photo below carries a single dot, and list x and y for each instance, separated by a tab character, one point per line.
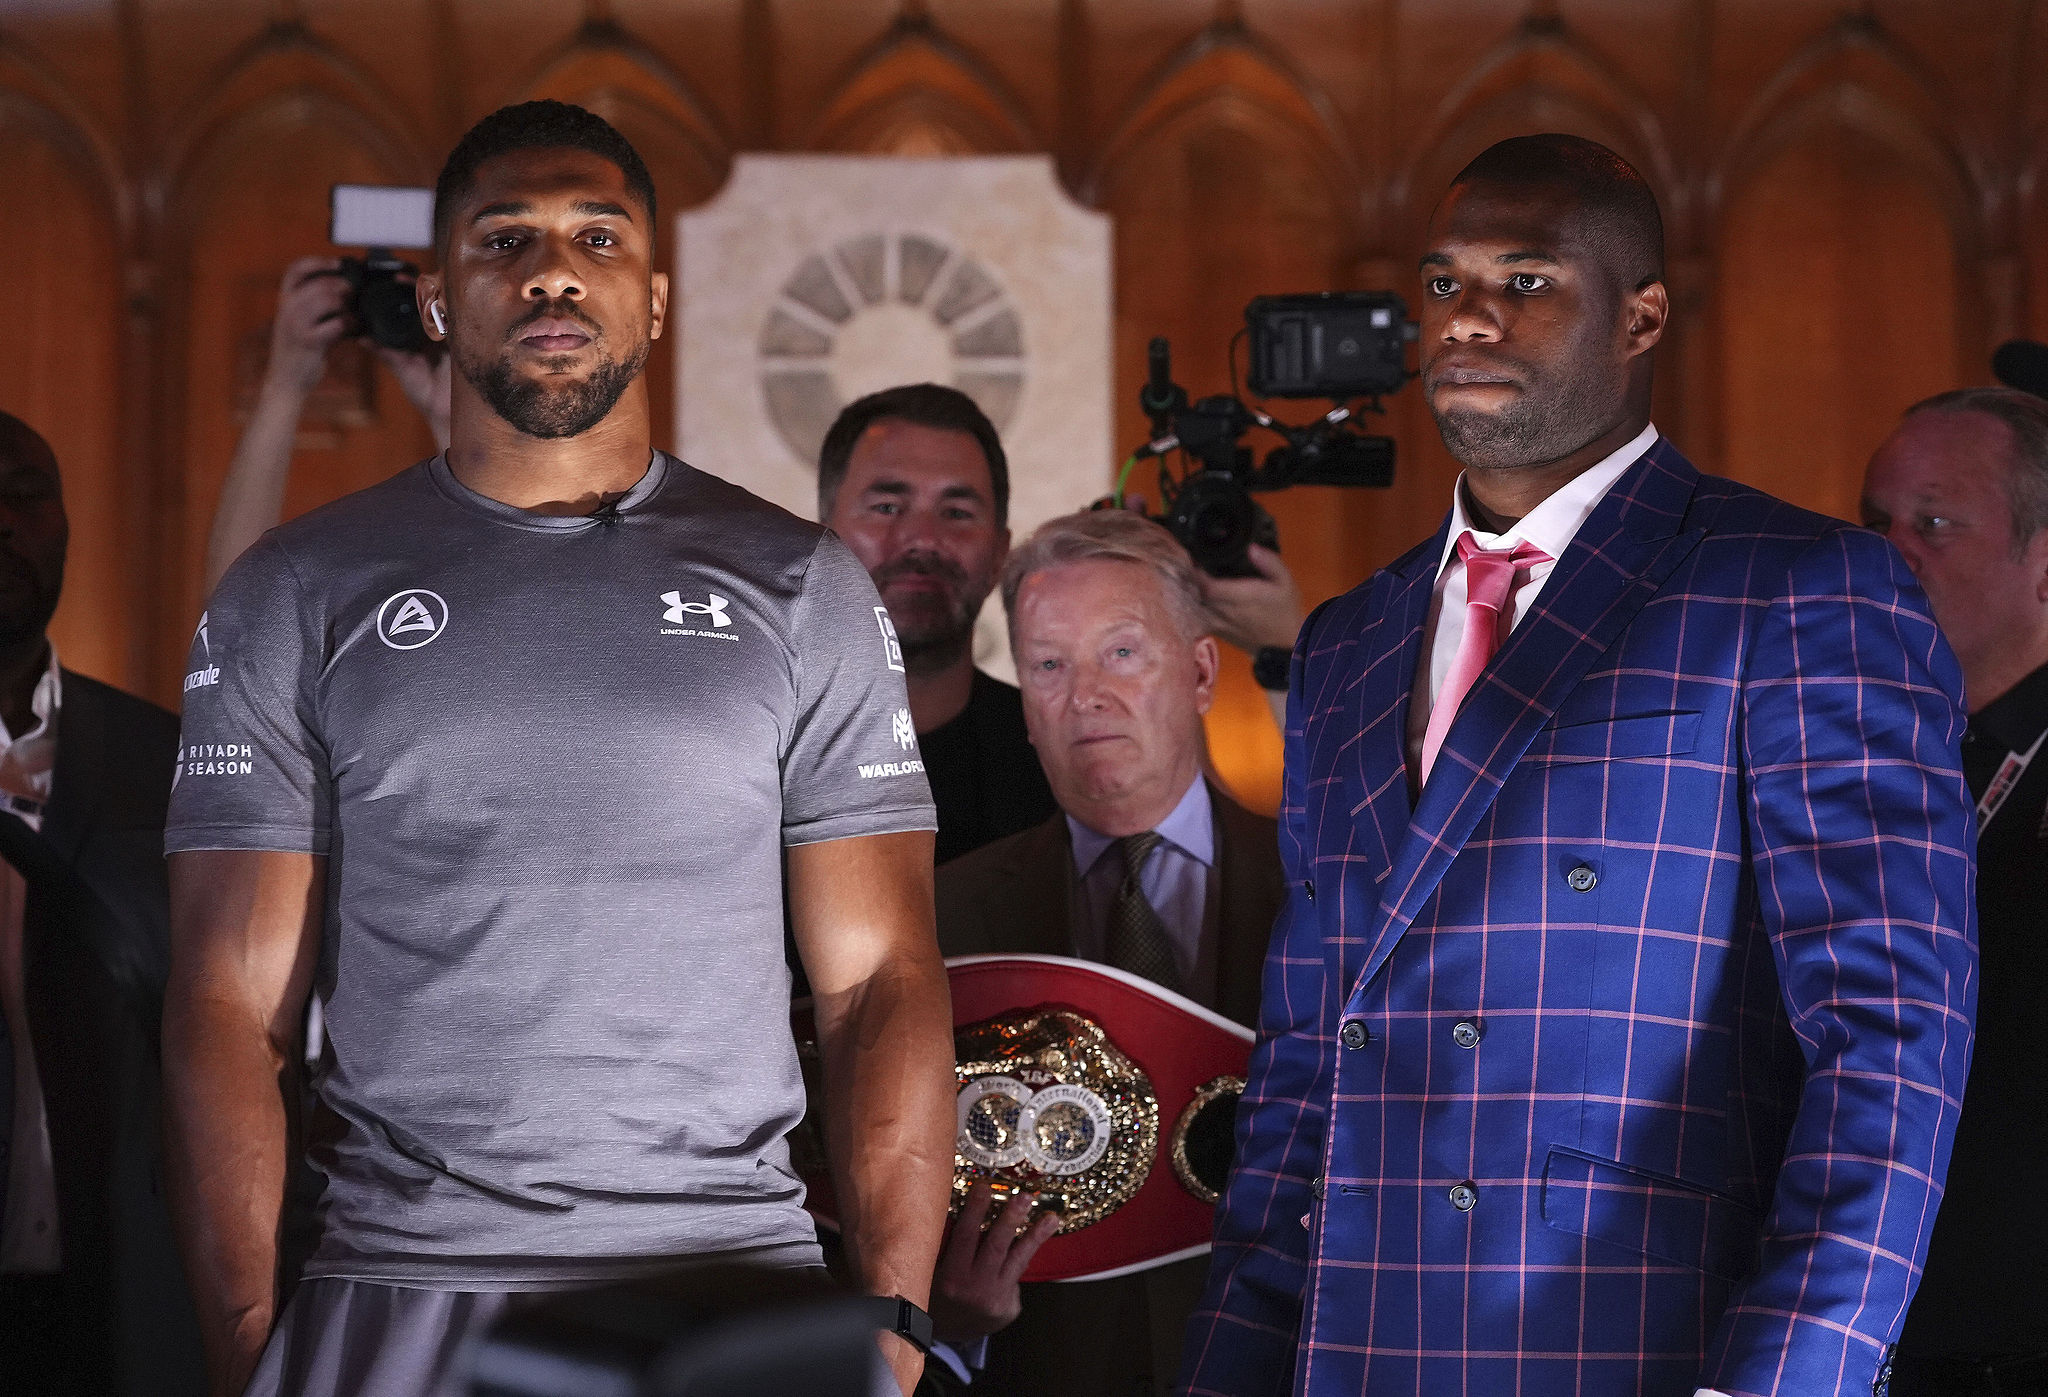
1149	867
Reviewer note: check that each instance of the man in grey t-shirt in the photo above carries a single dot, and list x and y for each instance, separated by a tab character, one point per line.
506	761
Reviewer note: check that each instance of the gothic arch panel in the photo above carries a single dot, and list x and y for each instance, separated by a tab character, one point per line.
254	197
61	372
1541	79
1838	307
1217	203
918	93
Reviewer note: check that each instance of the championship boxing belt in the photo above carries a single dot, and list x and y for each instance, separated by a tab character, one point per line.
1110	1098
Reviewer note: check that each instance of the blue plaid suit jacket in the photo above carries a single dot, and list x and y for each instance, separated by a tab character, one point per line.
1667	977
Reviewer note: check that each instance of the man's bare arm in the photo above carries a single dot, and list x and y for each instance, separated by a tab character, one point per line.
245	934
862	912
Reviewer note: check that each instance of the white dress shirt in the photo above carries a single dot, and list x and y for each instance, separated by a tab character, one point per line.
28	1230
1550	526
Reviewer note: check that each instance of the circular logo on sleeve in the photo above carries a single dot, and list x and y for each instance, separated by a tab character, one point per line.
411	618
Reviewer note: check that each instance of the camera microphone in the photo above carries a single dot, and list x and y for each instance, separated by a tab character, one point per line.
1161	397
607	512
2022	364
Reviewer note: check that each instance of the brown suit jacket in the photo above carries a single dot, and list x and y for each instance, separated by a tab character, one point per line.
1121	1337
1015	897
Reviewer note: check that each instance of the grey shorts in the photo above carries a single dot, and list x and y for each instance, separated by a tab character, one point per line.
340	1338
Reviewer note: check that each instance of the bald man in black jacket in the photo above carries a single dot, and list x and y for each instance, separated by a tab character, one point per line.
92	1298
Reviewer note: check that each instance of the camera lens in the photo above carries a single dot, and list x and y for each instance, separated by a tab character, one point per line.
1214	519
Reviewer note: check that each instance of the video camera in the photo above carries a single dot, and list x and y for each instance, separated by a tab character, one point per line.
379	218
1340	345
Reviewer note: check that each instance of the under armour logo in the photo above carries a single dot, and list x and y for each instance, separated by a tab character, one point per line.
411	618
715	609
903	730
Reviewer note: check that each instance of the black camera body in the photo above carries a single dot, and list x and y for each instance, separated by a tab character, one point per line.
1340	345
383	303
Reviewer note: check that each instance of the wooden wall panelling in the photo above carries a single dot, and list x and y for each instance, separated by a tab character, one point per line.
60	371
251	193
1853	193
686	152
917	92
1224	184
1847	239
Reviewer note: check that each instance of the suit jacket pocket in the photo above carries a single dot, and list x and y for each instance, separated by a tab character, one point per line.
1650	1214
1633	735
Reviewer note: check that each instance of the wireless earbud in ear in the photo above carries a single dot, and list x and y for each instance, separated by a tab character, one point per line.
435	314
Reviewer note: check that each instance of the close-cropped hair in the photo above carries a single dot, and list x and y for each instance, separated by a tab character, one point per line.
1111	536
2026	417
542	125
931	405
1607	190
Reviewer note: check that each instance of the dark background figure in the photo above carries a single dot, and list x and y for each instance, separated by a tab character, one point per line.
92	1298
1961	488
915	481
1147	866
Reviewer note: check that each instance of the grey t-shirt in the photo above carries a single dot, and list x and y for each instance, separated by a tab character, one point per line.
552	763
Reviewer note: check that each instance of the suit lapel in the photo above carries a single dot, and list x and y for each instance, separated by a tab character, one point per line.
1031	894
81	759
1248	896
1381	701
1616	563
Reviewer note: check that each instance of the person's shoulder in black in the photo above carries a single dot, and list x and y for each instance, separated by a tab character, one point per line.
1983	1295
984	773
97	927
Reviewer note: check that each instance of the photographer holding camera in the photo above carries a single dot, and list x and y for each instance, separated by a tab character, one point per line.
1260	615
314	314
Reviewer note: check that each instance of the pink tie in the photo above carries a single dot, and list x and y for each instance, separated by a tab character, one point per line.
1489	582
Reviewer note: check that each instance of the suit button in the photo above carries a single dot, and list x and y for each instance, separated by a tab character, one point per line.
1308	888
1354	1034
1315	1186
1466	1033
1582	879
1464	1197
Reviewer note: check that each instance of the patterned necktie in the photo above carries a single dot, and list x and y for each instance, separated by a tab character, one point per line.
1137	939
1490	578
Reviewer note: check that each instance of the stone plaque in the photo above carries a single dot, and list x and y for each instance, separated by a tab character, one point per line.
813	279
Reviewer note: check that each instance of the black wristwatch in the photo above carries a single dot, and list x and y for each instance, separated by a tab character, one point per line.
1269	667
911	1323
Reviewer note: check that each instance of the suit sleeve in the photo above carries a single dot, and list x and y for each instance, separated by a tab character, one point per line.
1242	1337
1862	838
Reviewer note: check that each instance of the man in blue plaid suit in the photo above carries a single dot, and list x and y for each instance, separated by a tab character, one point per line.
1613	1034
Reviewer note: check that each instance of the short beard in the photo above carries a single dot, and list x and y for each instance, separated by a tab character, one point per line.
537	408
1567	401
933	643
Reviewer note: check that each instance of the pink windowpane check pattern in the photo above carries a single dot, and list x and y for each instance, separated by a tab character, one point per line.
1491	577
1625	1057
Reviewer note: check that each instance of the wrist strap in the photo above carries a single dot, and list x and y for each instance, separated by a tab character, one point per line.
912	1323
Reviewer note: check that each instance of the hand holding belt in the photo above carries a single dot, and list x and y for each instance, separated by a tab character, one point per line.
1108	1097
